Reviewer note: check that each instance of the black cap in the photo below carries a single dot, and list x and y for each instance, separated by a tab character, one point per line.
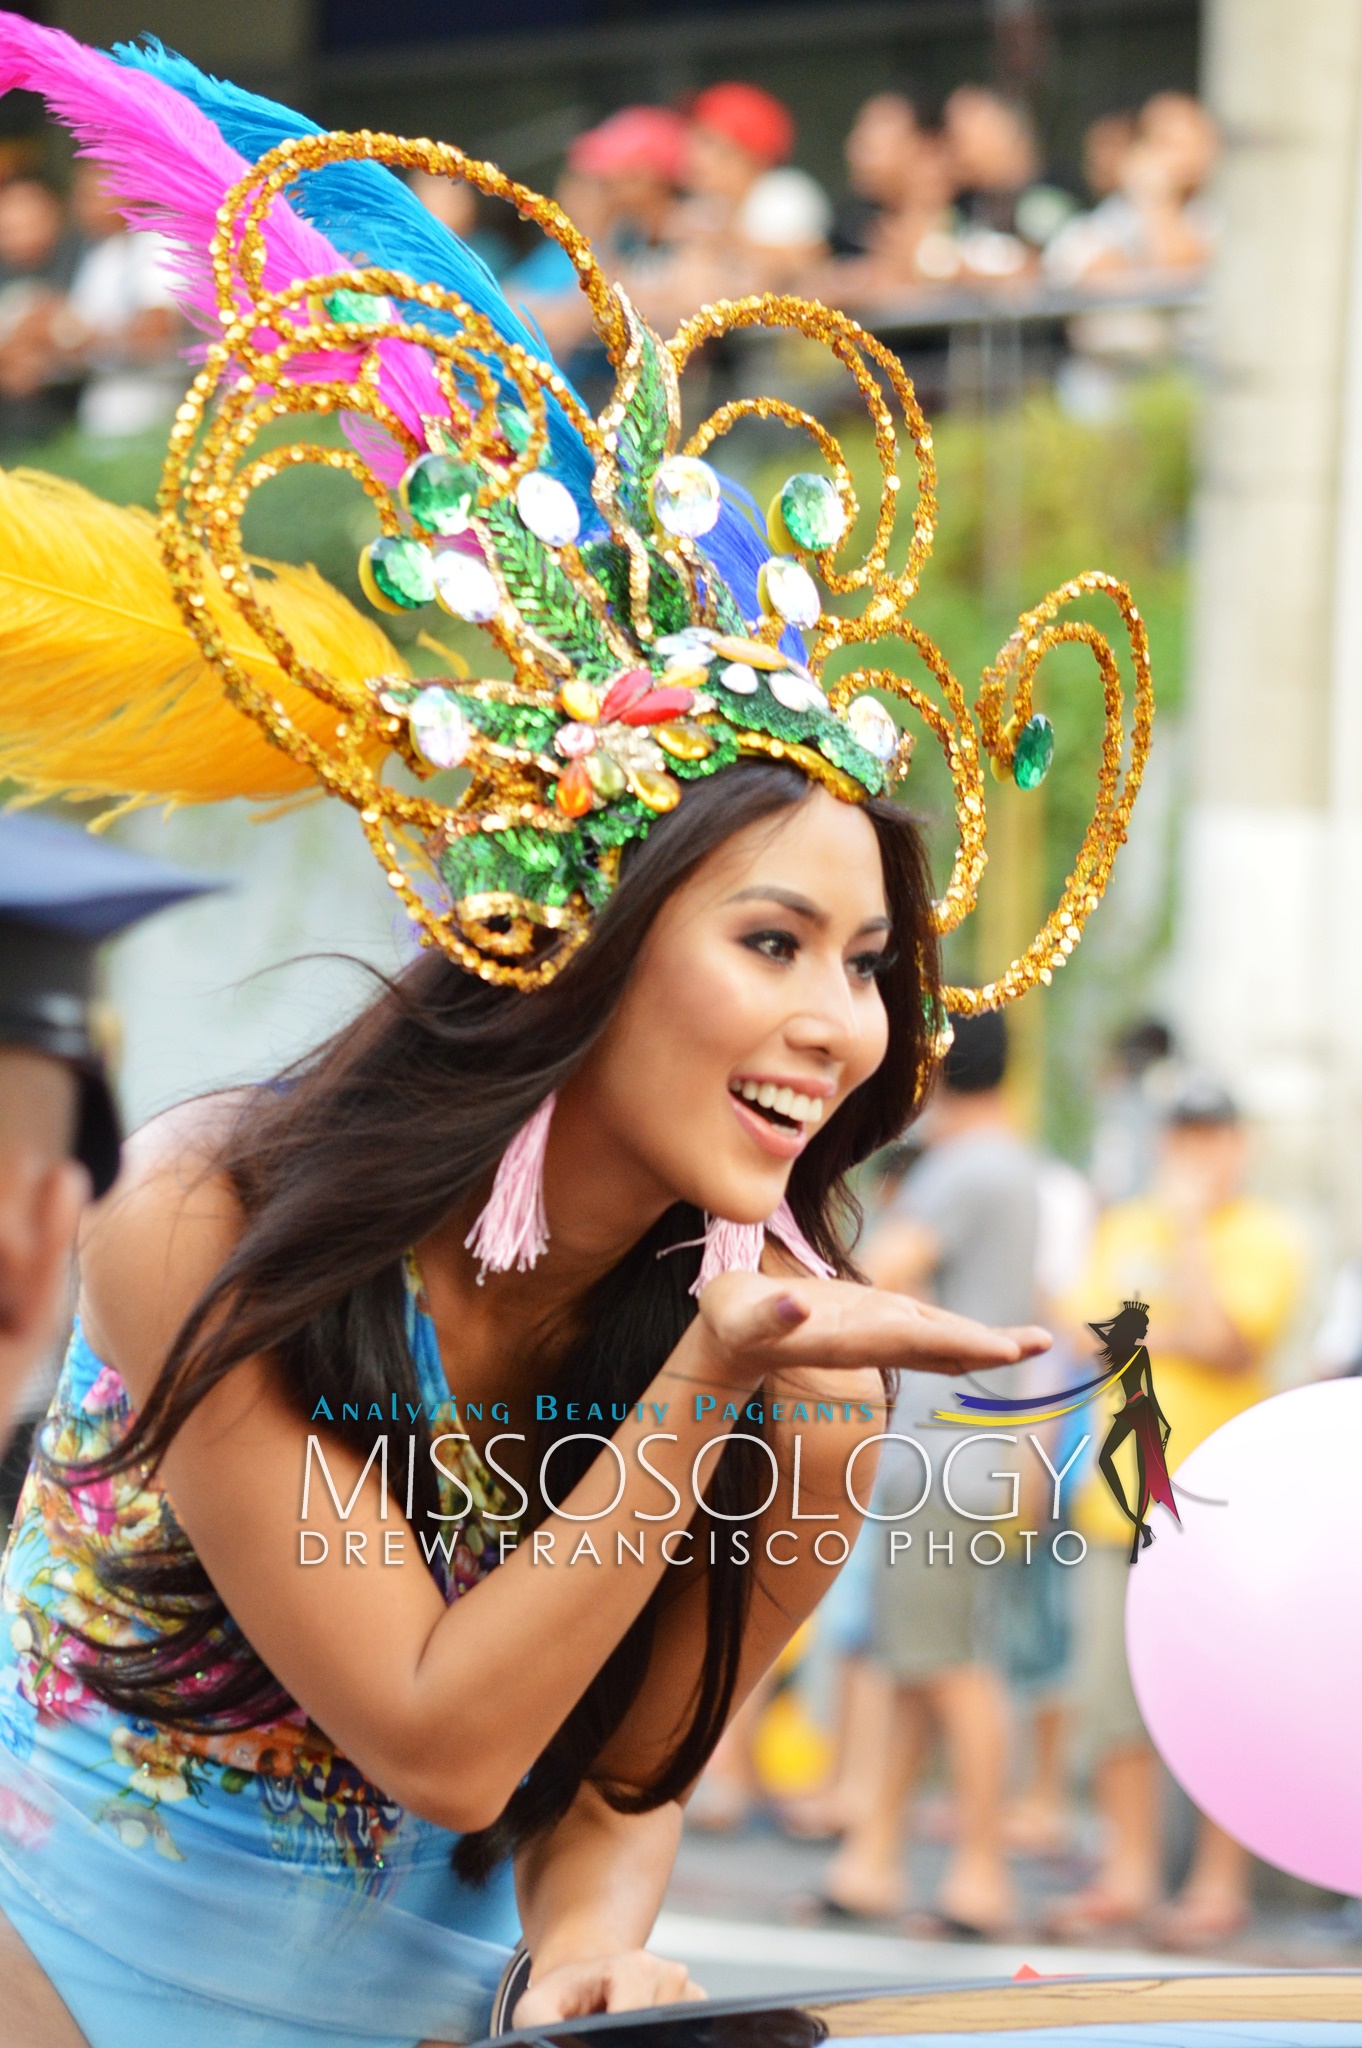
977	1059
62	893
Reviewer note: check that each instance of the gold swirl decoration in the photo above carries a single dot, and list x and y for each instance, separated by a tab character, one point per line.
323	345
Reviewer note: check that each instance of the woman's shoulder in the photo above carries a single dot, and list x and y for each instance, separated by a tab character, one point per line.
152	1245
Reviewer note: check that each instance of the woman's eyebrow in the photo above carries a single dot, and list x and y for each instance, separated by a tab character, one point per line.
788	900
802	907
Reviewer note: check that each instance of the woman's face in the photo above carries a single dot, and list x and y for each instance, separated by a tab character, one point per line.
753	1012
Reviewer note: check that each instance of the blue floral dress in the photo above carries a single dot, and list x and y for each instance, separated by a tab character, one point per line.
241	1890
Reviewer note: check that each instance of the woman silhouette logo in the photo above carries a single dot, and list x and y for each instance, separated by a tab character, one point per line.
1123	1346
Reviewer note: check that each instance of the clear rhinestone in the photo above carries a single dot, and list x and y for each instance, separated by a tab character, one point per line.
872	728
547	508
440	727
794	692
466	587
740	677
686	496
690	640
786	588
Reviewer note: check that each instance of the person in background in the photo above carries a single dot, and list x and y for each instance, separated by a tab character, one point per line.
1107	143
768	219
62	894
1336	1352
898	230
120	326
544	285
39	251
1222	1274
639	154
1151	214
456	205
1140	1080
1036	1599
879	151
964	1226
995	164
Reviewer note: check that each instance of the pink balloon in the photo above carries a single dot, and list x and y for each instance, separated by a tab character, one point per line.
1244	1632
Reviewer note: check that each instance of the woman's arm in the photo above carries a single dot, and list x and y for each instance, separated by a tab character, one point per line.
589	1891
413	1692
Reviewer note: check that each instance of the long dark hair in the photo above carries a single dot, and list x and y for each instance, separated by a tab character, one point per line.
378	1136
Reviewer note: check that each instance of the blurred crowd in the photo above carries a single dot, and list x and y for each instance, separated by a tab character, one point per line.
709	203
971	1663
682	207
88	328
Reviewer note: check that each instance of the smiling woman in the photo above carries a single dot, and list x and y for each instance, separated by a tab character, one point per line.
251	1266
588	1154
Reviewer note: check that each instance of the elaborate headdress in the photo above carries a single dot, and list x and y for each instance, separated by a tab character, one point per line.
652	632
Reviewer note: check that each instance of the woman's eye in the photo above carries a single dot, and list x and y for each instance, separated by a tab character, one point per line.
775	945
870	966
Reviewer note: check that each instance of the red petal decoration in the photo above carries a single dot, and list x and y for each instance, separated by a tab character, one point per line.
624	691
657	707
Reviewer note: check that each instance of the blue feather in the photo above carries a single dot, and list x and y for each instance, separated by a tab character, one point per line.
371	216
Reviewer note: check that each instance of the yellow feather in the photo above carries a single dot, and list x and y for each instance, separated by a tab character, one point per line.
103	689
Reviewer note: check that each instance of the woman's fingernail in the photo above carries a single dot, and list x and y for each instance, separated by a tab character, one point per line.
789	1312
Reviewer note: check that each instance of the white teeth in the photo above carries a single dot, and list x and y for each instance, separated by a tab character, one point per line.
785	1101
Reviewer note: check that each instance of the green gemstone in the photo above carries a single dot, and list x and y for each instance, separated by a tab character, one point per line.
516	426
361	309
403	571
814	515
1034	751
440	494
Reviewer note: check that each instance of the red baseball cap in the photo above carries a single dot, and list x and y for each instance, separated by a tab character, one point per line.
651	140
755	120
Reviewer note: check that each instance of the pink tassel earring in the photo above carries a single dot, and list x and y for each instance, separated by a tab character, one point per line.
513	1229
737	1247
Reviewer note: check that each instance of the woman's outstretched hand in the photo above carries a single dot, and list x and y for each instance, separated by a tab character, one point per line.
758	1323
621	1983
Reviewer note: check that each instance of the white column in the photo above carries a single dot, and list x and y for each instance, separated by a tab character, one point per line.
1269	977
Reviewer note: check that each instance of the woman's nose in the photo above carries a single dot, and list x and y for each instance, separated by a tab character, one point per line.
827	1023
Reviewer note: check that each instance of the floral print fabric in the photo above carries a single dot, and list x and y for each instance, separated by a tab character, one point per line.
282	1788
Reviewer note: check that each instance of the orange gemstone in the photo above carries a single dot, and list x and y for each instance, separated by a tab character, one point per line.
728	647
580	701
659	791
575	793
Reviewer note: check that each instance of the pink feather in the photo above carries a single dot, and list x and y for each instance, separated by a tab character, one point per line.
170	169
